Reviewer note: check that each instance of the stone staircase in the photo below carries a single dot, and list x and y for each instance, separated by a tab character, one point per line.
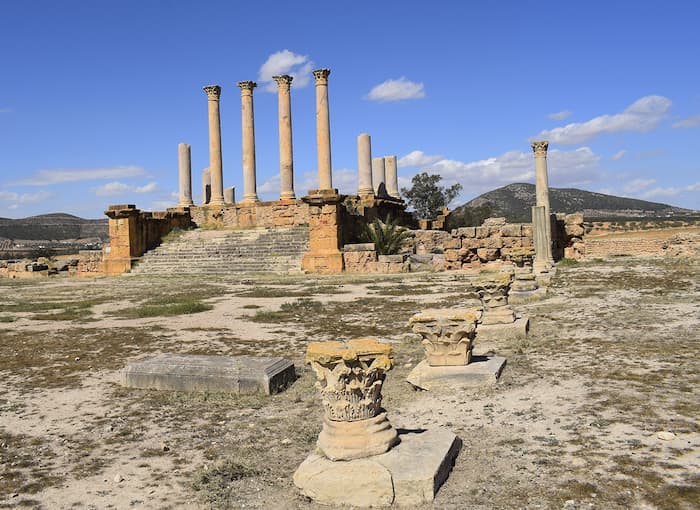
198	251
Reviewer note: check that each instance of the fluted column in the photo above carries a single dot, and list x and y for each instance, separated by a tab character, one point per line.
542	189
248	133
323	130
217	176
284	83
184	160
364	165
392	176
379	177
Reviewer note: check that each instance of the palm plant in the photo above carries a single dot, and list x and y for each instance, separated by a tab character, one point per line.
387	236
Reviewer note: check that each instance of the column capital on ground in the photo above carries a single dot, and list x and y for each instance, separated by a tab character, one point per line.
321	76
213	92
540	148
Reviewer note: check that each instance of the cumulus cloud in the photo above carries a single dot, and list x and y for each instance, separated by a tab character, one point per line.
690	122
643	115
48	177
618	155
119	188
671	191
417	158
638	185
566	168
285	62
565	114
396	90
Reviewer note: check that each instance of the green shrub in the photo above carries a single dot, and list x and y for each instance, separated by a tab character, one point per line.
387	236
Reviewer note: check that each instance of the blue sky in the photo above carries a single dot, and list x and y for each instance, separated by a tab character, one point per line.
95	96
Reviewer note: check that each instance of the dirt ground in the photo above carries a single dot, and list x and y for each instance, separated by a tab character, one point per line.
597	408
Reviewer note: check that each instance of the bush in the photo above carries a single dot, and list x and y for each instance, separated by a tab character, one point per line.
386	236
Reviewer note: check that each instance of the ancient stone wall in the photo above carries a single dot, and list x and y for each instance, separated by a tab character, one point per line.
257	214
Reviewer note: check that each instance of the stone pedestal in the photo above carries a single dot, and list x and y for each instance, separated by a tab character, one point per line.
494	297
215	165
350	377
184	159
230	195
324	255
250	193
482	371
447	335
524	285
323	130
364	166
284	83
206	186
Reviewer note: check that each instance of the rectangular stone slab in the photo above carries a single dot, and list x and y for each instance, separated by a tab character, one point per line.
489	332
482	371
188	372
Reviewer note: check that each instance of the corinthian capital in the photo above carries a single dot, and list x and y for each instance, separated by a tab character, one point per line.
213	92
247	86
540	148
284	81
321	76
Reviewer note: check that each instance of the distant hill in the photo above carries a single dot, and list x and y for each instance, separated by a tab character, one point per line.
515	201
57	226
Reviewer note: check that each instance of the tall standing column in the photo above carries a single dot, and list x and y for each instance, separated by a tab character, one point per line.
184	159
542	189
364	165
323	130
217	176
248	132
392	176
379	177
284	83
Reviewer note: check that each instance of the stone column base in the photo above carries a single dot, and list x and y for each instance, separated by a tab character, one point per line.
345	440
315	262
499	315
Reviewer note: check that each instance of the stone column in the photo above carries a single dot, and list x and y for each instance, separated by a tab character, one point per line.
364	165
391	176
542	187
323	130
379	177
206	186
248	133
284	83
350	377
185	174
217	176
543	248
230	195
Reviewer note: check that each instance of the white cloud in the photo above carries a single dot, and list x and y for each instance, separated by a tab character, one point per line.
690	122
417	158
13	200
47	177
642	115
672	191
566	168
396	90
618	155
344	179
119	188
638	185
565	114
285	62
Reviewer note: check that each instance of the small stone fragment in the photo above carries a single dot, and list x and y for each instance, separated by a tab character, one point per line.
666	436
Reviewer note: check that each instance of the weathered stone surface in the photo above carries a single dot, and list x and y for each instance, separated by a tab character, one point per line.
447	334
409	475
359	247
188	372
345	440
487	254
359	482
482	370
514	329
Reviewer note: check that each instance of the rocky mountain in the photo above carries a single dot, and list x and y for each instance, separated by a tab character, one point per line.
515	200
56	227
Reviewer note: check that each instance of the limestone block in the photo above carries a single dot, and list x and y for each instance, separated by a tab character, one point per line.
453	243
493	332
512	230
482	371
527	230
471	243
574	230
452	255
493	243
466	232
482	232
574	218
511	242
487	254
359	247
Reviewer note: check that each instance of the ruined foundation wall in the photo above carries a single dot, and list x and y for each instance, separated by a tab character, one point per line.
287	213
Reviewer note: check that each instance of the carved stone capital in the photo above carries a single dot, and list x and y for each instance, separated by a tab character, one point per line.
321	76
284	81
447	335
246	86
213	92
494	297
540	148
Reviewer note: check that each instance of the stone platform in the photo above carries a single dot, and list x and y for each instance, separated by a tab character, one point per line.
187	372
489	332
408	475
515	297
482	370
